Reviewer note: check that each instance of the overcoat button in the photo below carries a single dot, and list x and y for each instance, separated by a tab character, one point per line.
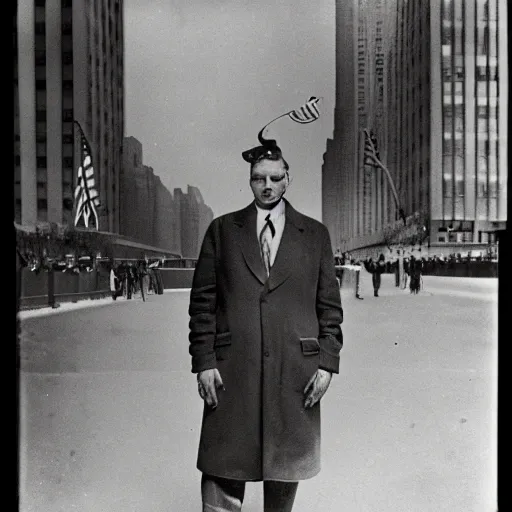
266	353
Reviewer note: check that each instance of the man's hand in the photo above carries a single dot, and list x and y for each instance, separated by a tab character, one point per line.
316	387
207	382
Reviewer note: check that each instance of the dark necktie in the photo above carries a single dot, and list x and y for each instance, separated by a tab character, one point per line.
266	236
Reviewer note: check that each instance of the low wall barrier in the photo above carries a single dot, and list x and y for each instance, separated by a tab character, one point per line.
45	289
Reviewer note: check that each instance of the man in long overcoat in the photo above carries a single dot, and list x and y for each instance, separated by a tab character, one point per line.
265	338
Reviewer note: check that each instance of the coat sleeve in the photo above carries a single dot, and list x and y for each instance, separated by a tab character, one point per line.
203	305
328	309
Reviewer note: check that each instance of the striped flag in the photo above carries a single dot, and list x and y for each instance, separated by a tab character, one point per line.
307	113
86	196
371	155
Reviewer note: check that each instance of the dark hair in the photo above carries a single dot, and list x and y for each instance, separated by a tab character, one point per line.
272	157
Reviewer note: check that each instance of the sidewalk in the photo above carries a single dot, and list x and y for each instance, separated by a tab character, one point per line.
87	303
110	414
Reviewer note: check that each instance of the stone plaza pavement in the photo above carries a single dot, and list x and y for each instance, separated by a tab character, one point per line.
109	412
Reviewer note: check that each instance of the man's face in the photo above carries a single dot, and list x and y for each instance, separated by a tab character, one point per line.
268	182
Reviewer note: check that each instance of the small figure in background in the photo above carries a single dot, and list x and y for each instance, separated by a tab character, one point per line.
376	269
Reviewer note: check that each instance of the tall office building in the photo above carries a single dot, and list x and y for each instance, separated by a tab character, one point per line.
195	218
149	213
429	78
68	66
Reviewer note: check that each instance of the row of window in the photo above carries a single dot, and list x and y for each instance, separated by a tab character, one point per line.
63	3
41	162
454	10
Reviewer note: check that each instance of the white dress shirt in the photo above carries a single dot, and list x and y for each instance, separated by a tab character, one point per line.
277	216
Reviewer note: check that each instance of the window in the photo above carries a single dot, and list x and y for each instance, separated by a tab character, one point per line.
41	149
447	185
42	204
482	72
482	10
40	28
448	118
493	119
459	118
40	58
41	162
67	162
459	41
40	85
459	186
67	115
67	204
482	42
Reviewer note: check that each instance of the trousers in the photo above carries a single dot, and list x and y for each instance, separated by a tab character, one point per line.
225	495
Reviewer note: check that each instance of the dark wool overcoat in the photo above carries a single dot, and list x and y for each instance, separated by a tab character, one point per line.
267	337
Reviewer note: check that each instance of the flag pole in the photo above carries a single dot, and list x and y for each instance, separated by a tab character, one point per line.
388	175
260	134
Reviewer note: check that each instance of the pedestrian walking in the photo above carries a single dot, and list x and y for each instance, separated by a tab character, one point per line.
142	274
415	269
265	339
338	257
396	268
114	282
376	268
130	280
358	269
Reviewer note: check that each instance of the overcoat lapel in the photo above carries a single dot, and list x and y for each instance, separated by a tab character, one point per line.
288	252
248	241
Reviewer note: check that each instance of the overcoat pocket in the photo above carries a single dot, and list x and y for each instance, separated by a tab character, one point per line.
310	346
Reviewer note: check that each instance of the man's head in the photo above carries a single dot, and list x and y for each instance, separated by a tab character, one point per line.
269	181
269	173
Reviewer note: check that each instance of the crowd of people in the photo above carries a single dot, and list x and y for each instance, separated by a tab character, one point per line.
129	278
407	270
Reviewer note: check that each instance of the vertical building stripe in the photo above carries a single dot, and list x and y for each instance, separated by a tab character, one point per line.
54	109
27	111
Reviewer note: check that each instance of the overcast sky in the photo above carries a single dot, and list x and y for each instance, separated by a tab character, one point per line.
203	77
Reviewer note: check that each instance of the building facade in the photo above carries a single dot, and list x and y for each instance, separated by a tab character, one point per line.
167	220
195	219
151	214
429	78
68	66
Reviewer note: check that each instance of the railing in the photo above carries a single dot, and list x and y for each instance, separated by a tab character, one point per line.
49	288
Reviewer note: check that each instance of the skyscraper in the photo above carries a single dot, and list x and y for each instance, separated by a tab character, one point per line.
68	66
195	218
429	78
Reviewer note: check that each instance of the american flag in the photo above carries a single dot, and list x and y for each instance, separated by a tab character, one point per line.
307	113
371	155
86	196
